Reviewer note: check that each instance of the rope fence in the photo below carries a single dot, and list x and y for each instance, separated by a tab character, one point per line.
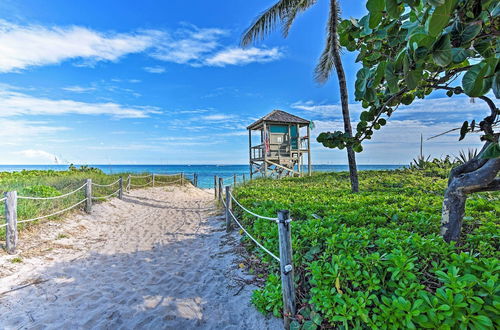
11	201
55	213
283	221
54	197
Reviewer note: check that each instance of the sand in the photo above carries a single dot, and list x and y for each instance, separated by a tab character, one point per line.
158	259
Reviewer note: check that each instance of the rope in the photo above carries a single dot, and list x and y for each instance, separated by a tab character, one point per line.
2	199
168	174
253	239
140	176
55	213
108	196
55	197
248	211
167	182
105	185
3	225
141	185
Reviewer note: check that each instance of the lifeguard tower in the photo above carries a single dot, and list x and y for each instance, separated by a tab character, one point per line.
282	148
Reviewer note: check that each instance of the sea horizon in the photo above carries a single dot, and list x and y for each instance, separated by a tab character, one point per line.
206	172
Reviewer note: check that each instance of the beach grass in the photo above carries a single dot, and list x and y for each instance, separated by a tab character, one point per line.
50	183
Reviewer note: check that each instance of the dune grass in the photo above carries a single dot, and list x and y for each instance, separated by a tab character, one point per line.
49	183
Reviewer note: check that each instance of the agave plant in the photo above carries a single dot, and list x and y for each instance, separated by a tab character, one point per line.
420	162
463	157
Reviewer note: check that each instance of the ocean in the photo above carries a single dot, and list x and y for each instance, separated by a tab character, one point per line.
205	172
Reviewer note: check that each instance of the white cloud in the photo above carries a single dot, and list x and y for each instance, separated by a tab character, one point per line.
188	45
24	46
39	155
34	45
79	89
242	56
154	69
216	117
16	104
10	131
429	109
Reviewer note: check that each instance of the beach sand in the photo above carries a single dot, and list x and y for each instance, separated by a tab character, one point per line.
158	259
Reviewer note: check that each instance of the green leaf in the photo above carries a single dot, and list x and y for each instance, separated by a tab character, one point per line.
375	7
492	151
478	80
470	32
440	17
463	130
295	325
391	77
412	78
459	55
496	85
309	325
436	3
393	8
441	51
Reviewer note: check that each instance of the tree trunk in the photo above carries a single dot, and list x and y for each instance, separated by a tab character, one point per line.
344	97
474	176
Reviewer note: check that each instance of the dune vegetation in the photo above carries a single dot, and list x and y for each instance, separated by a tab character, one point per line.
376	257
50	183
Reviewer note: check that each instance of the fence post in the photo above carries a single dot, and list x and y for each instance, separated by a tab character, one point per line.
195	179
120	192
11	219
215	186
229	207
234	179
286	261
88	193
244	179
153	178
221	185
128	182
182	178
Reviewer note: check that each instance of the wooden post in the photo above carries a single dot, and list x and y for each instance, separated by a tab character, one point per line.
244	179
221	185
182	178
88	193
234	179
120	192
153	179
215	187
228	207
11	219
309	165
250	151
286	266
128	182
195	179
265	152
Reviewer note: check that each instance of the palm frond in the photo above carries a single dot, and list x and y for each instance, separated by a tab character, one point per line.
284	11
331	53
300	6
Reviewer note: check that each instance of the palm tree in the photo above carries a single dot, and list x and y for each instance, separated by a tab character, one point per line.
284	12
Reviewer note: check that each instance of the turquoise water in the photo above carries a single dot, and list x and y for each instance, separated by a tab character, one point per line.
205	172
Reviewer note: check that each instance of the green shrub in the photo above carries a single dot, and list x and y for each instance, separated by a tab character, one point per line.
375	259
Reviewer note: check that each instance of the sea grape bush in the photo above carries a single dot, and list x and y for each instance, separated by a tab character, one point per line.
375	259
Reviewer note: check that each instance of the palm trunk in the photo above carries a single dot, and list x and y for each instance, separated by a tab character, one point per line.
344	97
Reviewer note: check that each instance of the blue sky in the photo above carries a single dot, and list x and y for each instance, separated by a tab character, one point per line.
165	82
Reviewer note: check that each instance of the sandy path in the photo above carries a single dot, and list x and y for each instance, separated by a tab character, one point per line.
159	259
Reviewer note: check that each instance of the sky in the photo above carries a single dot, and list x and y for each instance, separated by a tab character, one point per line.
166	82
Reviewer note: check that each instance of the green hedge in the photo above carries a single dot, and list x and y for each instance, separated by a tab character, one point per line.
375	259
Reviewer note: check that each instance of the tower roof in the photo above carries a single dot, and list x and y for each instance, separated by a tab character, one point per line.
279	116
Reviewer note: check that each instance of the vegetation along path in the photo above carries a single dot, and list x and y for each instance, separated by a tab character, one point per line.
159	258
